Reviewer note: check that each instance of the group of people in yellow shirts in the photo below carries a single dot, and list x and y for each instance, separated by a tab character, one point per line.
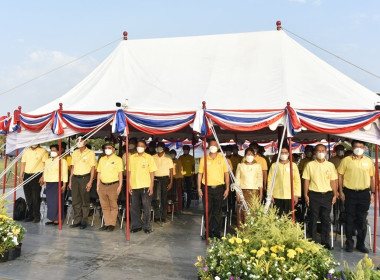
153	171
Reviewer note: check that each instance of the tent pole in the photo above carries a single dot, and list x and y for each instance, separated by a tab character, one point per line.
127	186
328	143
15	184
291	178
60	185
206	188
5	175
376	201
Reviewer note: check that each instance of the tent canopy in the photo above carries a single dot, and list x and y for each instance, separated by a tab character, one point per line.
246	80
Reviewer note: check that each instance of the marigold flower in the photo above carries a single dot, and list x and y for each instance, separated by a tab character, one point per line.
291	253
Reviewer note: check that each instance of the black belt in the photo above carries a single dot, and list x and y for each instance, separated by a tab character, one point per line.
329	192
158	177
213	187
351	190
81	176
109	184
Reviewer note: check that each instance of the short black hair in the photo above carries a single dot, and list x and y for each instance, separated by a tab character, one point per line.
54	146
286	147
186	147
161	144
248	150
353	142
141	141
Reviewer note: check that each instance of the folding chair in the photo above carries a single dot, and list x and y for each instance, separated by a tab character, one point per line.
306	220
225	224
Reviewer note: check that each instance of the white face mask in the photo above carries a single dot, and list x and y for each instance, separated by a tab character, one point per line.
284	157
321	155
53	154
213	149
160	150
80	144
228	153
140	150
185	152
249	159
308	154
108	152
131	146
358	151
340	153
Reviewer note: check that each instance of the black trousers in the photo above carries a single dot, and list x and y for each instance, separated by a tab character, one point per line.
320	208
189	189
140	196
215	202
160	197
32	191
284	206
356	205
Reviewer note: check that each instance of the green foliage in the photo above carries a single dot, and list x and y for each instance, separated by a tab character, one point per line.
268	247
364	270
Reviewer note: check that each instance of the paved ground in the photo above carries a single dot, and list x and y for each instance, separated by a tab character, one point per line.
168	253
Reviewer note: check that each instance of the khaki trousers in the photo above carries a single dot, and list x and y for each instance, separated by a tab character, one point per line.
241	214
108	200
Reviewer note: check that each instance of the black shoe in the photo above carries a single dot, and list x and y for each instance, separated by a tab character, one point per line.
163	221
362	249
36	221
349	246
103	228
28	219
83	225
55	224
75	225
110	228
49	223
147	231
136	229
327	246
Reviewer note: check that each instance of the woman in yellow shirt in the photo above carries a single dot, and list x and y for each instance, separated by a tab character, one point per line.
281	196
249	176
51	177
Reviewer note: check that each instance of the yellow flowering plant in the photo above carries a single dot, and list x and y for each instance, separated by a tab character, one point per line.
11	232
267	247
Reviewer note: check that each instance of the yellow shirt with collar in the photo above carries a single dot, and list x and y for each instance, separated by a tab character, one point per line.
140	168
215	170
320	174
188	163
82	162
336	160
163	163
235	160
249	176
109	168
356	172
34	159
51	172
177	169
260	160
303	163
282	186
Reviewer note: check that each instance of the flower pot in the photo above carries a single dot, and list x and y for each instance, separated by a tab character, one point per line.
18	250
4	258
12	255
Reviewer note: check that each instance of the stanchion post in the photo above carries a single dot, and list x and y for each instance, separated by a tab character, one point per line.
376	202
127	186
5	175
59	185
15	184
291	178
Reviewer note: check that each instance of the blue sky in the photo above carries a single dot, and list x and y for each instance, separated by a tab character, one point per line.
40	35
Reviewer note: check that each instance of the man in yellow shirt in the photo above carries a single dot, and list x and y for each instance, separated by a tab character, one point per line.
163	182
81	176
141	181
188	164
320	193
218	183
357	189
51	180
339	155
109	184
32	162
178	176
282	186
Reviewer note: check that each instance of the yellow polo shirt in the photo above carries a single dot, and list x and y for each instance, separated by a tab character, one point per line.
303	164
215	170
249	176
282	186
34	159
140	168
163	163
124	157
51	172
336	161
177	169
188	163
82	162
235	160
69	160
320	174
109	168
356	172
